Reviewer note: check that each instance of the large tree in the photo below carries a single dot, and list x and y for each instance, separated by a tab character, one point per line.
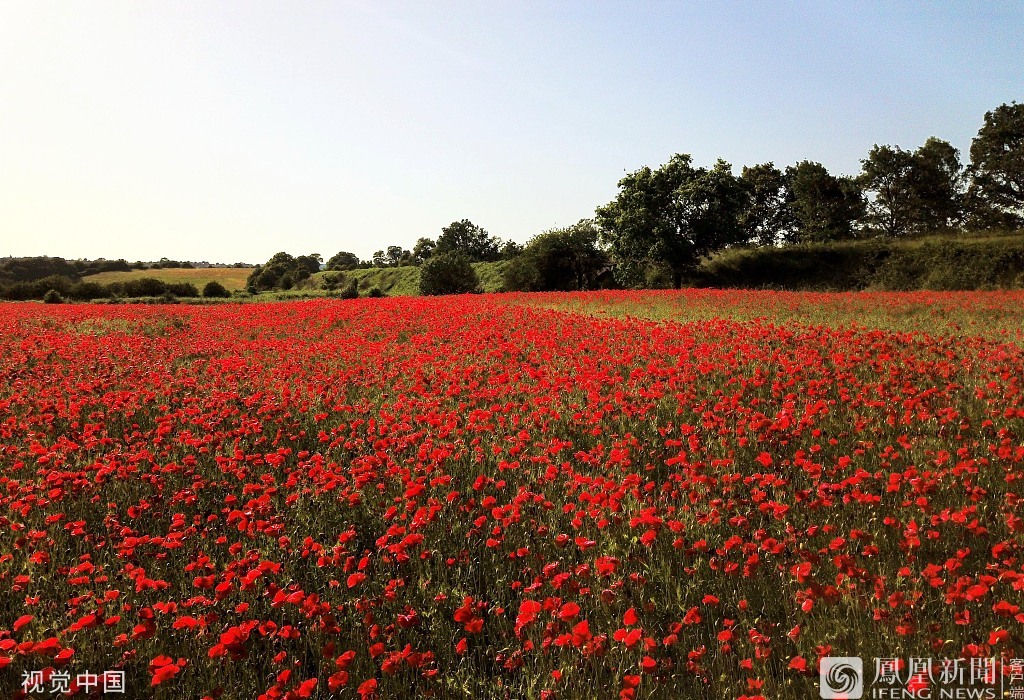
397	255
824	206
938	185
673	216
767	218
422	250
448	273
888	172
469	239
343	261
997	166
564	259
913	192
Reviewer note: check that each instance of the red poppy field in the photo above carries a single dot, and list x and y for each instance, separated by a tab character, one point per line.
488	497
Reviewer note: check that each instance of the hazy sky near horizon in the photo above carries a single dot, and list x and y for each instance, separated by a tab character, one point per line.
227	131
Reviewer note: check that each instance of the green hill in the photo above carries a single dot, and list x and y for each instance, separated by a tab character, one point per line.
403	281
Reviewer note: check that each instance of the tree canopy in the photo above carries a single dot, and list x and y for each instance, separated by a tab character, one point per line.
824	207
672	216
997	165
448	273
564	259
469	239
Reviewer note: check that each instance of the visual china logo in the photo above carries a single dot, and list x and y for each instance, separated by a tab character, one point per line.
842	677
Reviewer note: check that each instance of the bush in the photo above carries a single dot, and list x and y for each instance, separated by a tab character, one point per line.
53	297
375	293
351	290
564	259
143	287
87	291
215	290
448	273
183	289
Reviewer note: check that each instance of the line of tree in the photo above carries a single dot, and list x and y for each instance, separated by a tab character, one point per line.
671	217
55	288
462	238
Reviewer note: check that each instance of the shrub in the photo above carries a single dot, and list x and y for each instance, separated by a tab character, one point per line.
144	287
87	291
448	273
351	290
53	297
183	289
215	290
375	293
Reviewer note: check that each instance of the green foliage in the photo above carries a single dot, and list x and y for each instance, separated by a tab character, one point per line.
87	291
767	218
997	167
423	249
215	290
375	293
343	261
448	273
351	290
561	259
939	262
824	207
914	192
53	297
31	269
470	240
283	271
673	215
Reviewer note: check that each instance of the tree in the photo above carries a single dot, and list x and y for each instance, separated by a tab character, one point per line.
824	207
563	259
767	219
997	167
214	289
510	249
913	192
888	171
448	273
309	263
422	250
469	239
673	216
343	261
379	259
938	186
282	271
351	290
396	255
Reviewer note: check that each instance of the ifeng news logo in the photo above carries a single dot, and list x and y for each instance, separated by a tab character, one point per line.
917	678
842	677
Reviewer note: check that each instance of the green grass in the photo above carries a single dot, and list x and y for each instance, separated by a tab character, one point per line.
231	277
997	315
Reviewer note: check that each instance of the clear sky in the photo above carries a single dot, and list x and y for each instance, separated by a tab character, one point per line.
227	131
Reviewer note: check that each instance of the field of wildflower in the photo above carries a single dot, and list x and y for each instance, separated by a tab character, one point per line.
608	495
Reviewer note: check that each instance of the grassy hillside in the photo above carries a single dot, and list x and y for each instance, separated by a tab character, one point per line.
962	262
405	281
231	277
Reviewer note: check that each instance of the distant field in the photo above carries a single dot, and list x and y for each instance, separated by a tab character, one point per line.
231	277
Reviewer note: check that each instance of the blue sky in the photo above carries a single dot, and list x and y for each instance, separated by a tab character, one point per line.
230	131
